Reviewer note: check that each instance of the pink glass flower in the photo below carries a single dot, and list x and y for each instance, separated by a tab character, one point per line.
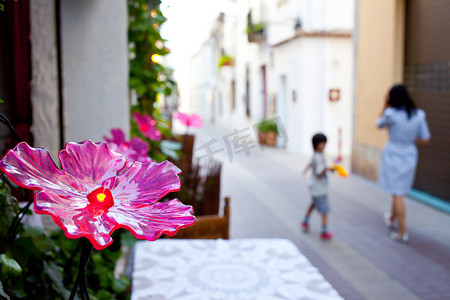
193	120
89	197
147	126
134	150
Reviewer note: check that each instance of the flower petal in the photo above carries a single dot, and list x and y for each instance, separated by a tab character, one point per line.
196	120
147	126
76	218
140	150
151	221
182	117
118	136
90	163
139	145
33	168
145	183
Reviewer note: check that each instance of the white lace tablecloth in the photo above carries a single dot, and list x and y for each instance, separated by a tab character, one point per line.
240	269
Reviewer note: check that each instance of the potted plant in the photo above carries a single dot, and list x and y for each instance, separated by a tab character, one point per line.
256	32
268	132
226	60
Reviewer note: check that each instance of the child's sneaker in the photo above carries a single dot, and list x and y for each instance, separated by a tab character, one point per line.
305	226
326	235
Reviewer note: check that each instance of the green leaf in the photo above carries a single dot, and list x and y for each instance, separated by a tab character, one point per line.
268	125
104	295
10	264
127	239
2	292
119	285
170	148
55	274
32	231
40	240
105	276
172	145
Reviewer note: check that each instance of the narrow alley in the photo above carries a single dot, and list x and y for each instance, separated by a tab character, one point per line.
269	196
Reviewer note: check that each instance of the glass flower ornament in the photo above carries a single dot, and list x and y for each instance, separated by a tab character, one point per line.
94	192
147	126
133	150
193	120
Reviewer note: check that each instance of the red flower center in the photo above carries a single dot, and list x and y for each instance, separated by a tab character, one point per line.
101	198
144	127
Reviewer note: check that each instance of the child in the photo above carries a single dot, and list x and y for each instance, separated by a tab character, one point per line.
319	185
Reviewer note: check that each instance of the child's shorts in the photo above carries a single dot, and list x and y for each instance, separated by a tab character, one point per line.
321	204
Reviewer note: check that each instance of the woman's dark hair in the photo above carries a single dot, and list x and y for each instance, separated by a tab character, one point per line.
317	139
399	98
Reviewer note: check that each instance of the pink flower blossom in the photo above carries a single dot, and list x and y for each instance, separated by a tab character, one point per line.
134	150
89	197
147	126
193	120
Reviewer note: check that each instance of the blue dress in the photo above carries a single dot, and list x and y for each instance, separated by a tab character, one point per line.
399	155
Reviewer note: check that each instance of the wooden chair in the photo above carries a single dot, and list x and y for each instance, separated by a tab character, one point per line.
208	226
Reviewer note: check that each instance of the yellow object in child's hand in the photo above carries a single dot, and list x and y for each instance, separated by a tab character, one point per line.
340	170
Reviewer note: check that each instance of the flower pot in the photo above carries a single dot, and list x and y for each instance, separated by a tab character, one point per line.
262	137
271	138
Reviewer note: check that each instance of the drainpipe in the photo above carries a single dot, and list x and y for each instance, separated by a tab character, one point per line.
59	72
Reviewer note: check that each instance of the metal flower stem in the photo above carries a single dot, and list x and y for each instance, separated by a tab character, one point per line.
80	282
5	121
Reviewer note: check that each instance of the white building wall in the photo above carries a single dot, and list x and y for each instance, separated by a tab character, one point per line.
44	81
319	15
304	66
310	68
95	68
339	14
304	73
315	15
338	115
246	56
226	76
203	82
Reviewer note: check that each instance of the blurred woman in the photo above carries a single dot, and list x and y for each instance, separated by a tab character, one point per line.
407	126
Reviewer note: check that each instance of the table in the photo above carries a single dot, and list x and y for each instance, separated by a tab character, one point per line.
237	269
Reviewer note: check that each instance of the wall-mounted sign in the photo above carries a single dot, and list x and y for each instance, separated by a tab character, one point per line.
334	95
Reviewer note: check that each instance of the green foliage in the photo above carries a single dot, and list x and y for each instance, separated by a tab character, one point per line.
268	125
256	27
10	265
100	270
35	275
149	78
2	292
259	27
168	147
226	60
43	265
8	209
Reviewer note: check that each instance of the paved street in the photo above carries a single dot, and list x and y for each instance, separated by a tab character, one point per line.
269	197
